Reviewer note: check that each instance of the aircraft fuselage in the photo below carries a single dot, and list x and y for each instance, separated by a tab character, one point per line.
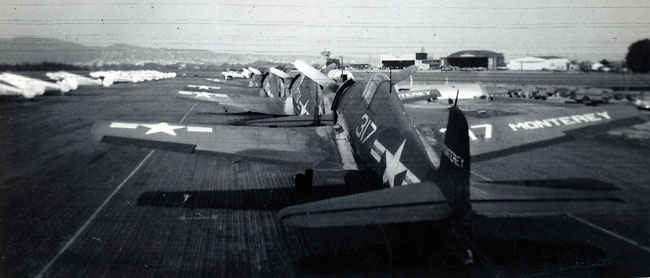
381	135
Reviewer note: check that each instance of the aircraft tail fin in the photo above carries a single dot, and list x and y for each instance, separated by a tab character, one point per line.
454	170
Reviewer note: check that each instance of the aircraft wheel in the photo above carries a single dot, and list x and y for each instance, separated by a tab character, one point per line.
304	182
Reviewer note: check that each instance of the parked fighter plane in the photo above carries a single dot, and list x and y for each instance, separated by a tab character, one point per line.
445	91
275	97
424	172
275	83
245	73
132	76
7	90
72	78
305	93
32	87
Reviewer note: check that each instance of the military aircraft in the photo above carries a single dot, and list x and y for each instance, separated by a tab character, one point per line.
32	87
421	174
275	83
284	94
72	78
132	76
7	90
245	73
447	91
280	94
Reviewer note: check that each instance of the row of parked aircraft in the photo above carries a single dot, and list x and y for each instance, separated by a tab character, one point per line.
14	84
282	93
244	73
421	170
132	76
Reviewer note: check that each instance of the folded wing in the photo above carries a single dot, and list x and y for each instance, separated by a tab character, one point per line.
264	105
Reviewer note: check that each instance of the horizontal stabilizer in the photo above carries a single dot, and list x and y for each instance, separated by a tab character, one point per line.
412	203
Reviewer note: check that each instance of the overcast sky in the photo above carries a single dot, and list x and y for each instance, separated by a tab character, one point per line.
586	29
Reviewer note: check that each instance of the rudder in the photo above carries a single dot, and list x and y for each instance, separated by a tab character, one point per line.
454	170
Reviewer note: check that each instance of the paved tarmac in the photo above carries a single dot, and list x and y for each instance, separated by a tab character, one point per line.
620	81
73	207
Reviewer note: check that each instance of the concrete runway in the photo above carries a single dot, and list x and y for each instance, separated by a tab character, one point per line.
72	207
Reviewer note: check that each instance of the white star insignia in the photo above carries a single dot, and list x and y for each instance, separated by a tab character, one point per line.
303	108
204	95
394	166
162	128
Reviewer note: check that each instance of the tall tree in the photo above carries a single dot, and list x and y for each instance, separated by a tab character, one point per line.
638	56
605	62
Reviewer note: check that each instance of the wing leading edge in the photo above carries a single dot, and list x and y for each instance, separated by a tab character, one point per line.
315	147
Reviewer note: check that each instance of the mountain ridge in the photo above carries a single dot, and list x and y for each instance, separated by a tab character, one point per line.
20	50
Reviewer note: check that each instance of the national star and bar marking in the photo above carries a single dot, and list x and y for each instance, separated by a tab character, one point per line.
204	87
161	128
303	108
393	165
203	94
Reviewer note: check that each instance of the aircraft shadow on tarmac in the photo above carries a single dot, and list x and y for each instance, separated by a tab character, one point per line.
506	258
508	245
278	198
248	199
508	248
18	99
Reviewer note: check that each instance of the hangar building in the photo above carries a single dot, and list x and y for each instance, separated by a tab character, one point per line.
476	59
418	59
553	63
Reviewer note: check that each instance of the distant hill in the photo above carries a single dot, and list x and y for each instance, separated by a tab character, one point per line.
36	50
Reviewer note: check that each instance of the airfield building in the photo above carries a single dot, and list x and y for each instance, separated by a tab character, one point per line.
402	61
551	63
475	59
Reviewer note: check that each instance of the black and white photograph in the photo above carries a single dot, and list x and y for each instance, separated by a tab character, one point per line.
303	138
